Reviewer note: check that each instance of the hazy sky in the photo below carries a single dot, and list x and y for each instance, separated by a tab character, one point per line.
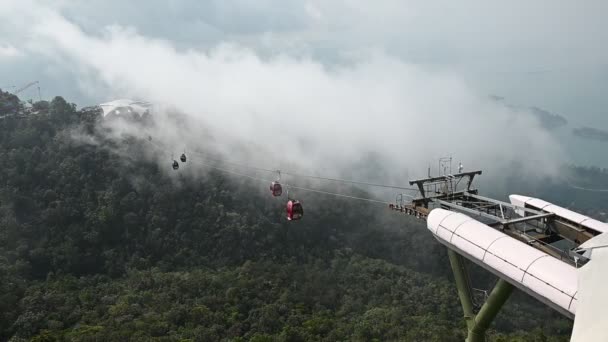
547	53
275	71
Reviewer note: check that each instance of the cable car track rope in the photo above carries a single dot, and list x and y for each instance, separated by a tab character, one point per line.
338	195
299	175
290	186
205	155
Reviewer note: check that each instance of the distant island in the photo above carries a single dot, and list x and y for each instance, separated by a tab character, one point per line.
547	119
591	133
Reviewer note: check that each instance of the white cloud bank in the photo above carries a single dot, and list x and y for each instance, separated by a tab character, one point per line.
8	50
295	112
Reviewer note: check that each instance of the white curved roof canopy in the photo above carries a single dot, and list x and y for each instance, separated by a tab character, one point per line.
535	203
540	275
125	106
592	318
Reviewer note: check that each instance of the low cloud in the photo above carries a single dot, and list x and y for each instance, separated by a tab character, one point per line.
8	51
590	133
291	112
547	119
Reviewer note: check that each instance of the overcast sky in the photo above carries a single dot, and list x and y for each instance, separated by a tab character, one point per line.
546	53
550	54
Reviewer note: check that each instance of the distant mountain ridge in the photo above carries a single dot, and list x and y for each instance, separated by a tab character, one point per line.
591	133
547	119
88	252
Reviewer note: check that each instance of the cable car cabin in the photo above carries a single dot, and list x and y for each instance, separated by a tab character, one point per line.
276	189
183	158
294	210
175	165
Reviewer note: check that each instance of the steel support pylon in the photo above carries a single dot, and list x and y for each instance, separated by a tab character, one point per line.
477	324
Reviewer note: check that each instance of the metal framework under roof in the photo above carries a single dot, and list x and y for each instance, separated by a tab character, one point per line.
540	259
553	234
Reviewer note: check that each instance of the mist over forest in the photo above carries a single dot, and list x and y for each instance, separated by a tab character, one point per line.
100	241
139	140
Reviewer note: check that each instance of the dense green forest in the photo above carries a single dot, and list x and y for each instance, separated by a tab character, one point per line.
98	247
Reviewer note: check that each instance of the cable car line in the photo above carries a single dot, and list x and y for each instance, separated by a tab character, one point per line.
294	174
232	172
220	160
293	208
205	155
349	181
338	195
290	186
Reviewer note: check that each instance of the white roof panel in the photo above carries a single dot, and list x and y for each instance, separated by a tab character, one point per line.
444	233
479	234
565	213
573	305
519	200
596	225
452	222
504	267
468	247
537	203
597	241
556	273
518	253
435	217
545	290
549	278
591	315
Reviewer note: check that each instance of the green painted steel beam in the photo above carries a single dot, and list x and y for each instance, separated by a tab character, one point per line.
497	298
463	285
477	324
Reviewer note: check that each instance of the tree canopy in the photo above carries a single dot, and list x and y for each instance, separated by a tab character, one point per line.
90	252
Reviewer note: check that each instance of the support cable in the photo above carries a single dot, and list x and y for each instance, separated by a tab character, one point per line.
205	155
292	186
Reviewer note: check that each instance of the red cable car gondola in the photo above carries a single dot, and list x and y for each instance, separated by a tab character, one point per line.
276	189
294	210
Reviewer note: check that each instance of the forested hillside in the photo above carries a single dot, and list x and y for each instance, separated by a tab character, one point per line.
98	247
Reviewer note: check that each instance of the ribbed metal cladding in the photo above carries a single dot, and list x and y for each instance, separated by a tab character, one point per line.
541	275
